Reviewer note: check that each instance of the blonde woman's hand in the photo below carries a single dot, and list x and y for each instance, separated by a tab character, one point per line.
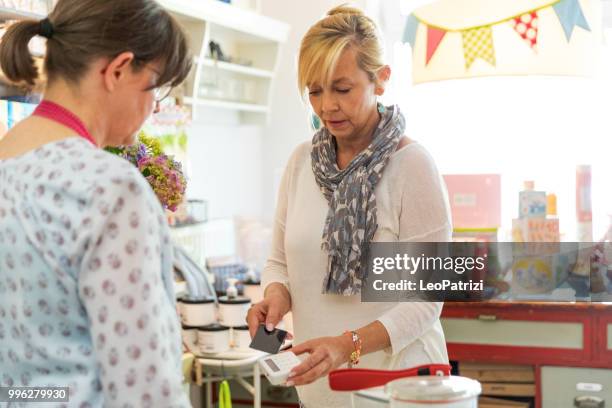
325	354
271	310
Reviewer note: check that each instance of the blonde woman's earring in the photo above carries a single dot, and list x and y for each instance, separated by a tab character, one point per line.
315	122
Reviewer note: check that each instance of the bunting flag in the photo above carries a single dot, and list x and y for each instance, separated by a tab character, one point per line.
412	23
527	27
434	37
570	15
478	43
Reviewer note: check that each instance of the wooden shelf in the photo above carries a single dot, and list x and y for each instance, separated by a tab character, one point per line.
7	13
237	106
236	68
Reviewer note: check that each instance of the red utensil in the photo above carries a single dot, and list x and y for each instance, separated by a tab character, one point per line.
353	379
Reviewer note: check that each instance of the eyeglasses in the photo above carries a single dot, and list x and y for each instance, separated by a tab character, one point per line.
162	92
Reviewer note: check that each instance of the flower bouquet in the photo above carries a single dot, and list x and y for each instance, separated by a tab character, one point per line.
163	173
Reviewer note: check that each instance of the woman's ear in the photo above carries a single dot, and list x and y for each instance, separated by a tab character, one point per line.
117	69
382	77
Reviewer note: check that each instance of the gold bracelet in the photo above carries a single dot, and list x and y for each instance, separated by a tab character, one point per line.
354	358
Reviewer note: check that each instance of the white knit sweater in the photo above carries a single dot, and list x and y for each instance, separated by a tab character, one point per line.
412	206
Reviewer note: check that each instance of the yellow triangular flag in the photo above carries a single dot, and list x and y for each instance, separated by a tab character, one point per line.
478	43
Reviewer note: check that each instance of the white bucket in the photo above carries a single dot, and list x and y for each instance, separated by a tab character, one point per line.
190	337
213	338
241	338
233	311
443	392
198	312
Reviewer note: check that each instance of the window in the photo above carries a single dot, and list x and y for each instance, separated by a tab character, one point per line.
524	128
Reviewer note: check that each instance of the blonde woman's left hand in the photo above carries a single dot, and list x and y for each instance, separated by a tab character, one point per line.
325	355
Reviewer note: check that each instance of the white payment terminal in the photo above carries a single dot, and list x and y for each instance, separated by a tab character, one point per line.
276	367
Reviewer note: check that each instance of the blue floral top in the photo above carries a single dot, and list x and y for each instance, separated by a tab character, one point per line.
86	292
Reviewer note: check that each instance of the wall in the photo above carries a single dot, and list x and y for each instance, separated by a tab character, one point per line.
288	122
225	168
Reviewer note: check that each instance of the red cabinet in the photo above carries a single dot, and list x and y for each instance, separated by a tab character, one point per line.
530	333
604	344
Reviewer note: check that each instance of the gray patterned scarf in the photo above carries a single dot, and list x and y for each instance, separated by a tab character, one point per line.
351	220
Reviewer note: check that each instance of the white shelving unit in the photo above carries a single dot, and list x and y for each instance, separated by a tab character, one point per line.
239	69
252	40
237	106
13	14
244	85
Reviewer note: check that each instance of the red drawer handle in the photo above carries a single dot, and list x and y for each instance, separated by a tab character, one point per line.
353	379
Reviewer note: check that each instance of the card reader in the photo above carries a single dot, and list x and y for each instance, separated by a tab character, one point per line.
277	367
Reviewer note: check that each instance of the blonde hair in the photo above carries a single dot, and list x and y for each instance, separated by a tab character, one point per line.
321	47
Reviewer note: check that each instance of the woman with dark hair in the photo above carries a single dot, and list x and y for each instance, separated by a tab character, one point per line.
86	292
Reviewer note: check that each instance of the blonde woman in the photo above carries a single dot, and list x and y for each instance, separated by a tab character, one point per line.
360	180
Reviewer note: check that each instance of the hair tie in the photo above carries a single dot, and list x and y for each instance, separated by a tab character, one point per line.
46	28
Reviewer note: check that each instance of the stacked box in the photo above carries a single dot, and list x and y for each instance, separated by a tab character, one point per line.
532	204
535	230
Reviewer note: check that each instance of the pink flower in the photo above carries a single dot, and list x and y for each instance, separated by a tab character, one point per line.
165	176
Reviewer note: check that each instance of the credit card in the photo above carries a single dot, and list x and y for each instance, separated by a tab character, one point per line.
268	341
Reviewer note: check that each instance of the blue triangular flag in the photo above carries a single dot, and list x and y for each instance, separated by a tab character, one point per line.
570	15
412	23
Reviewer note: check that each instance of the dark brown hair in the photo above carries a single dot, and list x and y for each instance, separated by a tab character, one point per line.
85	30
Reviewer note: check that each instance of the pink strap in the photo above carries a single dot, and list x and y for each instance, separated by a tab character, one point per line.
59	114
